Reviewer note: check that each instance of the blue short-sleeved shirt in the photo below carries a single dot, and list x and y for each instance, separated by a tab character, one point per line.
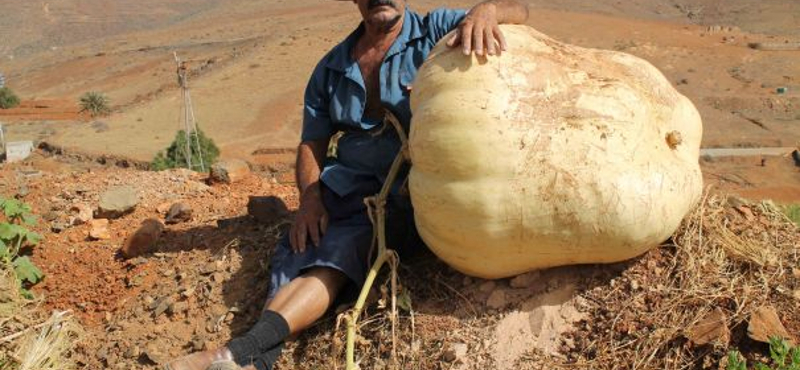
336	97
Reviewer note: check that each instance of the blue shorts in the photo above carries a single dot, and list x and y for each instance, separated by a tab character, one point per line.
346	244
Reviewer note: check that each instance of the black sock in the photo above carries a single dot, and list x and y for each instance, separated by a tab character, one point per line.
267	359
270	330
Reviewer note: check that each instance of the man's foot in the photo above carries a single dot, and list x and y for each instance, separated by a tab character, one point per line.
200	360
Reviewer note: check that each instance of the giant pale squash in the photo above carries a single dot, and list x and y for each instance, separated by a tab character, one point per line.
548	155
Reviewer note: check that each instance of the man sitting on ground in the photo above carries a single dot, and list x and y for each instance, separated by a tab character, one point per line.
326	253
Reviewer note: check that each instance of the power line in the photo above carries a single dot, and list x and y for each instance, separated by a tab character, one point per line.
187	116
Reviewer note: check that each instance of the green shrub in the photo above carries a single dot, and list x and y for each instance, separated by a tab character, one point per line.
175	154
793	212
7	98
95	103
13	237
782	354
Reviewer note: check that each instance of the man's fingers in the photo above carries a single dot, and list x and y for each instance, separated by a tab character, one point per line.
466	38
477	39
313	230
302	232
323	223
489	41
453	41
501	39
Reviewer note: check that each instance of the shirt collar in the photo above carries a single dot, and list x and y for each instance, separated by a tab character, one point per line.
413	28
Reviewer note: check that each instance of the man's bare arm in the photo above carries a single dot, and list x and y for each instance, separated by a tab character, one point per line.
479	31
311	219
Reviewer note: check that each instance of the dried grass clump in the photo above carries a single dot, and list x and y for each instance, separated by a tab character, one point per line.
48	346
729	254
28	339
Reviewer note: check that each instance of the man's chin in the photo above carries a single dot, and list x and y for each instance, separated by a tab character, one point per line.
384	20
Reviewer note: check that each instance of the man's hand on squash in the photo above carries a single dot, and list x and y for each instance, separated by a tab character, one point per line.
311	220
479	32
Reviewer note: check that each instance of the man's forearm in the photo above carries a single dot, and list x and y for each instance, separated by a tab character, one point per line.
510	11
310	157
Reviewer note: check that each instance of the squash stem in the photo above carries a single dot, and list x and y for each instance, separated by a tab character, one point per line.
376	207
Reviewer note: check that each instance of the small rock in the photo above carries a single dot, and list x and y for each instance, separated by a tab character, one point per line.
455	352
148	301
525	280
211	327
764	324
59	226
187	292
497	299
712	328
50	216
22	191
267	209
138	261
74	238
144	239
735	201
162	208
178	307
178	212
198	344
102	354
208	268
81	214
154	354
487	286
117	202
98	229
229	171
218	277
132	352
746	212
162	305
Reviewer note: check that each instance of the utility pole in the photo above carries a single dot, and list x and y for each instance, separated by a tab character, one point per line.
187	115
2	138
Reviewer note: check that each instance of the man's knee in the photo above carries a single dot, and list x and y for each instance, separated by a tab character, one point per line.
330	277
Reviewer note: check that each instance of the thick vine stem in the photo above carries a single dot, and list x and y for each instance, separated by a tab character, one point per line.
376	207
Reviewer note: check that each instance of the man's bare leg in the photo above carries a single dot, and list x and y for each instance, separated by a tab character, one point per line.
301	302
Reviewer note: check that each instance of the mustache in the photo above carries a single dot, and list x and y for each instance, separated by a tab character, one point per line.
376	3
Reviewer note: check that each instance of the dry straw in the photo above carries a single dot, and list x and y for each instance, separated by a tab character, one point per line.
28	339
729	254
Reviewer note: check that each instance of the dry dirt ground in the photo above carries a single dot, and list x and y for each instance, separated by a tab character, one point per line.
206	280
250	60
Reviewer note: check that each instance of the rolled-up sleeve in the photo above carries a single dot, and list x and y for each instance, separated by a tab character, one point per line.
441	21
316	112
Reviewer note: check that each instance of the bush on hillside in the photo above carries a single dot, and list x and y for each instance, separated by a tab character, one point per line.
8	99
175	155
96	103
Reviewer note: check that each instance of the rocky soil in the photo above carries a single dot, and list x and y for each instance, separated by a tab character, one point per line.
199	275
